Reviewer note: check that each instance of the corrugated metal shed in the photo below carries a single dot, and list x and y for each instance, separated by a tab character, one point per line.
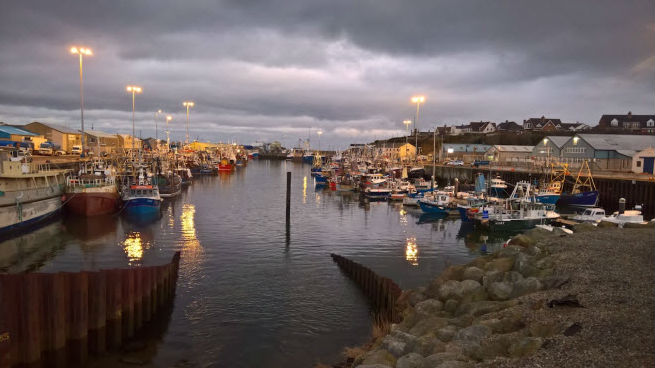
617	142
463	147
99	134
6	131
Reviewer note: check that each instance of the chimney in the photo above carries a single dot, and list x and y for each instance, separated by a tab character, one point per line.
629	113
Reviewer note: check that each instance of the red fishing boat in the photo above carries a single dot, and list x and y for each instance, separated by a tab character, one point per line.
93	191
225	166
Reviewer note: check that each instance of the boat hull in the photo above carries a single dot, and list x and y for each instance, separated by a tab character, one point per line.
432	208
584	199
512	225
547	198
225	167
142	207
92	203
13	218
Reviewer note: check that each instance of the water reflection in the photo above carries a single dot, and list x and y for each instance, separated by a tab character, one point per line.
134	245
411	251
192	249
90	228
304	190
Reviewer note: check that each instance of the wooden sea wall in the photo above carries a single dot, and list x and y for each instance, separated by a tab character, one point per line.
381	291
635	192
61	318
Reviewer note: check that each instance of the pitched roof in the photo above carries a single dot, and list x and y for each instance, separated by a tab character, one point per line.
509	125
463	147
618	142
58	127
557	140
99	134
541	121
605	120
510	148
13	130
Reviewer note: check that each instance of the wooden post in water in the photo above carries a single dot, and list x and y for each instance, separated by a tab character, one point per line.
288	198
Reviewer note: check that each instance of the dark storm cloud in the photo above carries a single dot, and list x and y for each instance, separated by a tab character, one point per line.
347	67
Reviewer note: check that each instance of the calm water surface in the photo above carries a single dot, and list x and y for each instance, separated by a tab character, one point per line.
246	297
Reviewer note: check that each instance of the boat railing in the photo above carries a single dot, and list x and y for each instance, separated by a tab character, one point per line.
87	183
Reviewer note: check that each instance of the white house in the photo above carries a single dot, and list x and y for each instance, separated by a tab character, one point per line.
642	161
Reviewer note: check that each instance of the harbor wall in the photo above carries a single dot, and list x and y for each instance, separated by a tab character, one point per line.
635	192
58	319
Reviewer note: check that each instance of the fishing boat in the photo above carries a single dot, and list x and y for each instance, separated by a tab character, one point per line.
498	188
518	215
225	166
626	217
551	192
141	199
93	190
593	214
377	188
433	207
169	184
185	175
345	184
473	204
583	194
29	193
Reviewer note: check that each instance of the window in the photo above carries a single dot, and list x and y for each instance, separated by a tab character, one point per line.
576	150
638	163
650	123
614	123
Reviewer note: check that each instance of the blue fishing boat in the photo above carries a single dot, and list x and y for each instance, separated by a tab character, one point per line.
583	194
432	207
142	199
320	179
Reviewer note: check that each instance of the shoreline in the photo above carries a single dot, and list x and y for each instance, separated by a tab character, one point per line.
547	299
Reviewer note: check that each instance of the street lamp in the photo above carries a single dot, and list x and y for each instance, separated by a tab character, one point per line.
407	124
81	51
320	132
168	136
133	90
418	100
188	105
158	112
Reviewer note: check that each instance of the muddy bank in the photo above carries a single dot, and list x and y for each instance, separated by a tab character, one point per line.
547	299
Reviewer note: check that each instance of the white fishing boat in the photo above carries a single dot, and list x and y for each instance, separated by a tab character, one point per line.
29	193
626	217
594	214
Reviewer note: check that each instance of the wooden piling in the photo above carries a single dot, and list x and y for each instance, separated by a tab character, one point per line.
288	213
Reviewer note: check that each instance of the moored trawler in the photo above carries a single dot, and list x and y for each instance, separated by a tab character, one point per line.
93	192
29	193
141	198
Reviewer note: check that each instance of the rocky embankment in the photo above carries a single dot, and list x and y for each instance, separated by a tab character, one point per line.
548	299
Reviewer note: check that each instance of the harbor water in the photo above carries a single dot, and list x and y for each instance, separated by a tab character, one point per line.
248	295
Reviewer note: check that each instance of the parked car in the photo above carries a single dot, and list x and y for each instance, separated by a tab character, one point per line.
478	163
60	152
76	150
456	163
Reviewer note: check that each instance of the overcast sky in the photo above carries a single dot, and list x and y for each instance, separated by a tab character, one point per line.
282	69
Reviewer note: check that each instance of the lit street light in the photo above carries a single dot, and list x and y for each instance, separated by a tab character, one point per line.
158	112
188	105
134	90
417	100
81	51
407	124
320	132
168	136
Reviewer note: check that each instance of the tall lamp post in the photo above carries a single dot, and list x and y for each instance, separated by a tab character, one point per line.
133	90
418	100
81	51
320	132
188	105
407	124
168	136
157	113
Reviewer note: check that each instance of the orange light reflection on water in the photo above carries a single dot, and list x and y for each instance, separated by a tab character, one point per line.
134	246
411	251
